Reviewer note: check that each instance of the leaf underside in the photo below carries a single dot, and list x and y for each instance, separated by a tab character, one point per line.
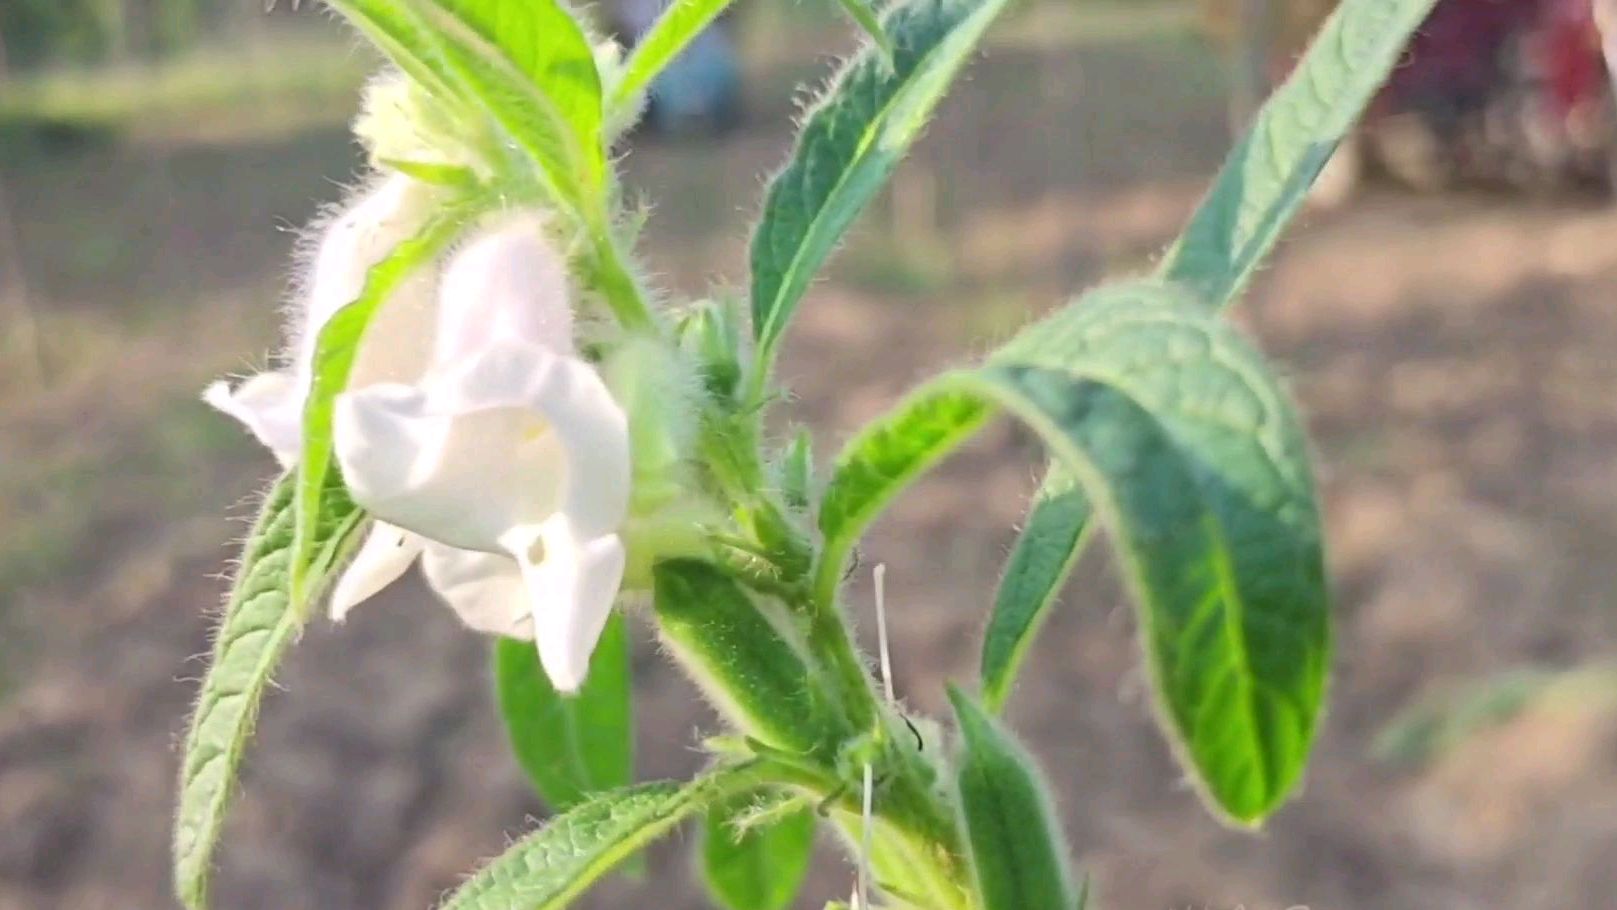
259	622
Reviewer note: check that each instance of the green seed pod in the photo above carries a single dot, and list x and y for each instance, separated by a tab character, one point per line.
751	671
1017	852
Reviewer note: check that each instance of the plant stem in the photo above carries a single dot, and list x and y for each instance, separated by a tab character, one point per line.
609	273
918	851
919	843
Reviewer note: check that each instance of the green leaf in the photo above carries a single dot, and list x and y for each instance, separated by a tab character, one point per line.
746	659
548	45
1193	458
1230	588
681	22
399	34
333	360
864	16
1055	534
1255	196
758	868
451	176
530	65
551	867
1017	853
569	746
1267	177
881	461
1432	726
849	145
260	620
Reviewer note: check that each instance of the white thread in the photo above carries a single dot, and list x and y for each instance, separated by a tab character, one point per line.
864	847
881	631
862	888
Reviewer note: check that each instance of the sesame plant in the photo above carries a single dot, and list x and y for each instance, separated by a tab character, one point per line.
479	378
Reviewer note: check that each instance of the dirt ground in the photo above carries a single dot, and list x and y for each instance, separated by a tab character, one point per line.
1453	356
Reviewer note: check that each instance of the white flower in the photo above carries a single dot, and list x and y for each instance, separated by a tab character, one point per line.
470	429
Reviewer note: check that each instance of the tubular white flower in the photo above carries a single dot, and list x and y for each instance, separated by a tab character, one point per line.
471	431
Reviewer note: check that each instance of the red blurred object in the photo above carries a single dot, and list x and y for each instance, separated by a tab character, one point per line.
1455	54
1567	49
1501	91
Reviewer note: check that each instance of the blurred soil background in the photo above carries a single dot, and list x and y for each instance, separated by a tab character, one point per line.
1453	354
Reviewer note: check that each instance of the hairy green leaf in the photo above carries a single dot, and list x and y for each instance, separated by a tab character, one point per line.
1017	851
1051	541
1197	463
399	34
569	746
530	65
545	41
1255	196
333	360
1192	457
880	462
849	145
260	621
1057	529
1267	177
681	22
549	868
760	867
718	629
864	16
1230	588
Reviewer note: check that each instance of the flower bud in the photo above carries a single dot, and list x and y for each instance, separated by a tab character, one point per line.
710	333
401	125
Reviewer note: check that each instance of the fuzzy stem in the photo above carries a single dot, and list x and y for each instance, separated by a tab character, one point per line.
919	844
829	729
609	273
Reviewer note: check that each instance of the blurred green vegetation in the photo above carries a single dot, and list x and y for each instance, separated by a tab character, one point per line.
37	33
1443	721
265	88
77	72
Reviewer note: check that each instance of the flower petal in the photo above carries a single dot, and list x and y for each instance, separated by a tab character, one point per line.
508	283
507	438
571	587
384	556
461	477
485	590
270	405
398	341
